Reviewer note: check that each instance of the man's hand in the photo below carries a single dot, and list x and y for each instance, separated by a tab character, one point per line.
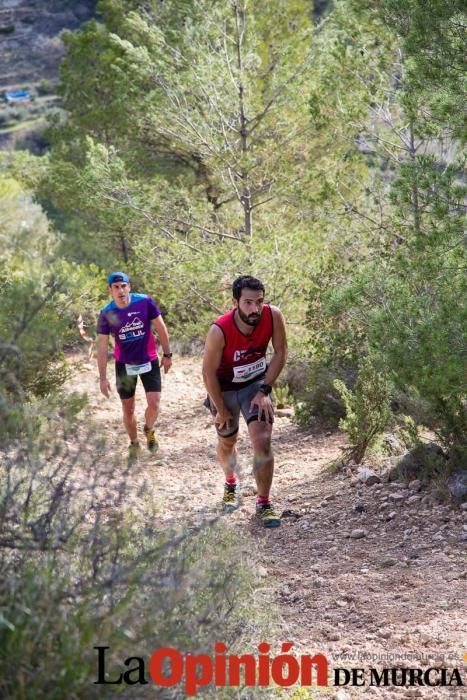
223	418
166	363
264	405
105	387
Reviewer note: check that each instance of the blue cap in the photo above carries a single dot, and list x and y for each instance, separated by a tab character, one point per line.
118	277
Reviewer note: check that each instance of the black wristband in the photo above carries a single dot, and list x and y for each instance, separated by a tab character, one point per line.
265	389
168	354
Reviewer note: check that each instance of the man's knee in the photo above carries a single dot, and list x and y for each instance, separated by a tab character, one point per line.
128	407
262	457
260	436
153	399
262	450
227	443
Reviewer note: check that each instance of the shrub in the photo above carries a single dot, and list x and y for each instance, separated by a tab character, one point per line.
282	397
45	87
12	114
367	412
20	113
41	296
33	140
83	568
318	403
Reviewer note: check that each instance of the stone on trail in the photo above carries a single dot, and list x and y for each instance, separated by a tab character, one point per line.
368	476
387	563
358	534
415	485
396	497
342	695
414	499
284	412
457	484
413	693
248	491
291	514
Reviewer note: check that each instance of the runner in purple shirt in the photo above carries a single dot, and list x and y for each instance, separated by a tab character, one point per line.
131	318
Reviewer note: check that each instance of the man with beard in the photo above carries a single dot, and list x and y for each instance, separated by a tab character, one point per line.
239	379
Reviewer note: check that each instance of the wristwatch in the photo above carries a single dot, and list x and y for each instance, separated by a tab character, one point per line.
265	389
168	354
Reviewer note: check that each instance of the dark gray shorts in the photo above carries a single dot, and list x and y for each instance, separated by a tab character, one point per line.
236	401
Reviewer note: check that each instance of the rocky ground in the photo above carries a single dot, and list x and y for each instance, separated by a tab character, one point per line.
371	576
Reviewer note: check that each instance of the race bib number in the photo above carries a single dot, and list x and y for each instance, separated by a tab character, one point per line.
131	370
246	372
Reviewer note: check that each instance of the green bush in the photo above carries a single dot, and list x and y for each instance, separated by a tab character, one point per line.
45	87
81	568
405	302
367	411
83	560
12	114
424	461
18	113
42	297
458	457
318	403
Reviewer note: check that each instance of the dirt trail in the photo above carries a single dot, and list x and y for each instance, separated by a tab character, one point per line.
372	577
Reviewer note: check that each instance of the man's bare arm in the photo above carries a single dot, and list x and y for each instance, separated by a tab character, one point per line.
211	361
279	343
161	330
102	354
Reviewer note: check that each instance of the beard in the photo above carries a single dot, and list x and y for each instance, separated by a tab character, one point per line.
251	320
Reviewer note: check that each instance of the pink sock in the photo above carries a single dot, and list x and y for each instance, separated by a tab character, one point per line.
231	480
262	500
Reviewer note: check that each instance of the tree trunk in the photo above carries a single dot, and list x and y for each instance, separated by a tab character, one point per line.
124	247
240	24
415	202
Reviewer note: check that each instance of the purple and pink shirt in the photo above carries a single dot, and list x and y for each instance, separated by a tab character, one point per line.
131	327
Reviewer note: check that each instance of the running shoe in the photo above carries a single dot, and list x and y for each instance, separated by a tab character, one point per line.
267	515
230	499
152	440
134	451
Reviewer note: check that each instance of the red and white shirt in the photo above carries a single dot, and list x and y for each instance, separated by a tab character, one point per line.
244	356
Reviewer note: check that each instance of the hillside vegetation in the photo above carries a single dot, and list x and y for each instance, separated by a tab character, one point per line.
31	49
321	149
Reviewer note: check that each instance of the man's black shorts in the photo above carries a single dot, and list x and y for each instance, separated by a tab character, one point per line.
126	385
